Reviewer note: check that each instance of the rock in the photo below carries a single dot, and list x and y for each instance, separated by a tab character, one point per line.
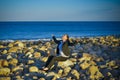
86	57
19	44
76	74
5	78
33	69
52	74
17	68
13	49
13	61
111	63
37	54
9	57
85	65
10	44
31	61
29	54
60	72
35	77
5	63
41	79
4	52
66	63
66	71
4	71
95	73
43	48
44	59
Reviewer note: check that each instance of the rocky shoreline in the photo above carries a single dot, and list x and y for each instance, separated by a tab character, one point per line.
94	58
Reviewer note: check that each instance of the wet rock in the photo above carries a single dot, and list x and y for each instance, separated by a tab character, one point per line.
33	69
37	54
43	48
4	71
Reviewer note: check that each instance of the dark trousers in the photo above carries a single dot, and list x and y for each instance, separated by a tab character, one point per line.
53	59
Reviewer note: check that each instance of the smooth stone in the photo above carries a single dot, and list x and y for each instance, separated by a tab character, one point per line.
85	65
13	61
95	73
4	52
66	63
66	71
30	62
9	57
5	63
33	69
5	78
37	55
13	49
4	71
19	44
17	68
41	79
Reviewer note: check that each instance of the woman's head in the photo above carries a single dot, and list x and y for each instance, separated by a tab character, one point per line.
65	37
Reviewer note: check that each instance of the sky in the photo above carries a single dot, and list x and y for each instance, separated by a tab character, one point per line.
59	10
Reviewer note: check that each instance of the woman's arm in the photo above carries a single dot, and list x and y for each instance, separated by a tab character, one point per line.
71	44
55	40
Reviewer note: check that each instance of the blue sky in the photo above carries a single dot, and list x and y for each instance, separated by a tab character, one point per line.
59	10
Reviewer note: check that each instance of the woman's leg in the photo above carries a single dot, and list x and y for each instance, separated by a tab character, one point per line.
48	61
55	59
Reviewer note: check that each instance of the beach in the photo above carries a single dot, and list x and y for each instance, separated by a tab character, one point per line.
91	58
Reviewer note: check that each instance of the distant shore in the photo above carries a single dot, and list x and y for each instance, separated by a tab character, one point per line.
92	58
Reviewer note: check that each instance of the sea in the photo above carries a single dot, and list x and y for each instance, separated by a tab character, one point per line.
36	30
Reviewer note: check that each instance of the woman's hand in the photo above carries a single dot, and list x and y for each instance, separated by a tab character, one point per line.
52	35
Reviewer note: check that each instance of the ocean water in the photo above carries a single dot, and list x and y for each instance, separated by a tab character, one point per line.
44	30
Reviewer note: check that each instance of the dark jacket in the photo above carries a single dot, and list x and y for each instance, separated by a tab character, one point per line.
65	47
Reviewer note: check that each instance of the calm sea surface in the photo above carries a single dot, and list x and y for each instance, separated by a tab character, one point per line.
38	30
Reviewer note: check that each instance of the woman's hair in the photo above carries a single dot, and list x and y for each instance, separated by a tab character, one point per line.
67	36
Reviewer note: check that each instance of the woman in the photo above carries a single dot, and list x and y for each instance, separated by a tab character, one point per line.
62	52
